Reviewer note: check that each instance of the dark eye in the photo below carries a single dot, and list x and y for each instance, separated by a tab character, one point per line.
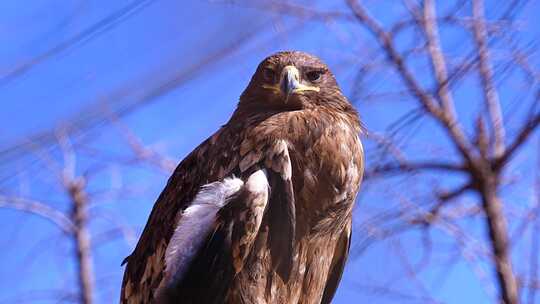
314	76
269	74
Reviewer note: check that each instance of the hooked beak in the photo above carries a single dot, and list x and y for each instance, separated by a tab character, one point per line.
290	82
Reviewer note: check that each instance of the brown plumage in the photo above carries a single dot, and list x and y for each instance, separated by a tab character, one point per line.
273	223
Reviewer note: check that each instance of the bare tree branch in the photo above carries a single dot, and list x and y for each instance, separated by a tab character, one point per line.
40	209
528	128
142	152
81	236
498	234
295	9
412	167
446	119
491	96
438	61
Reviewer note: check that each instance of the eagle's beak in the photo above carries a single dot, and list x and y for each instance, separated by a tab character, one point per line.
290	82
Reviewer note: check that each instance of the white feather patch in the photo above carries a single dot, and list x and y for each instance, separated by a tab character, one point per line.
194	226
257	182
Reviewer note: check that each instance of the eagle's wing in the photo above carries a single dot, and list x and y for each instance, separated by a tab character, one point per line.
230	151
338	264
211	161
274	155
212	239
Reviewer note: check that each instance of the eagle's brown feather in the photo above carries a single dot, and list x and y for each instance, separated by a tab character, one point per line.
310	147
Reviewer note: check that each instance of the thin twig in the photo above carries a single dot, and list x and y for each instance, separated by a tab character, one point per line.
40	209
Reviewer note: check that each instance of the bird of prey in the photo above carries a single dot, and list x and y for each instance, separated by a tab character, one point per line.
260	212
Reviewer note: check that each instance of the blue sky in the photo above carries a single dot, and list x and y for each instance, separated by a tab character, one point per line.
155	59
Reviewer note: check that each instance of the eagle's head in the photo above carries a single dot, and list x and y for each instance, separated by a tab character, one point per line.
292	80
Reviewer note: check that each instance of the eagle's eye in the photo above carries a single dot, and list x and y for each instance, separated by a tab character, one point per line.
314	76
269	75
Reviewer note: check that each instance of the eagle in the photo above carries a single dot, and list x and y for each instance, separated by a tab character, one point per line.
261	211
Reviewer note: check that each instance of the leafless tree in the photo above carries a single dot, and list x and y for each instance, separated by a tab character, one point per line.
481	157
74	222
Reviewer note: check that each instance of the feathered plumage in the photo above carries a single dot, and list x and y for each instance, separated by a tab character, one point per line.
260	212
